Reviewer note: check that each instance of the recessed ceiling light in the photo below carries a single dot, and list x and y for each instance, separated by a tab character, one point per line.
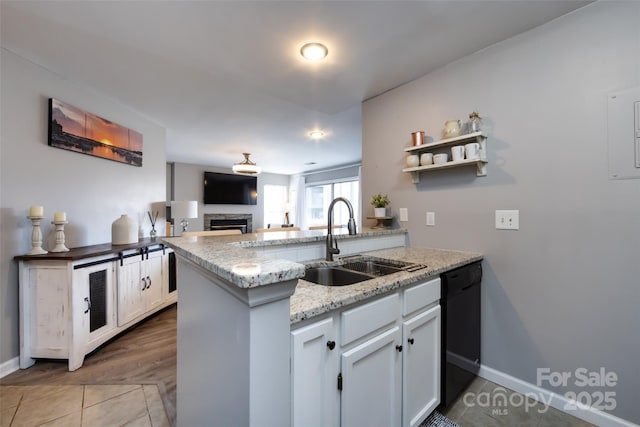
316	134
314	51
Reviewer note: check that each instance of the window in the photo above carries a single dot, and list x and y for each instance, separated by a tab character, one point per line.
275	199
319	197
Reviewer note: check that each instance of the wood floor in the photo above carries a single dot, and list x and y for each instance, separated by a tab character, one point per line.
145	354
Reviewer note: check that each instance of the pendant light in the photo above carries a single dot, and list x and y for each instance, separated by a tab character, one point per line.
246	167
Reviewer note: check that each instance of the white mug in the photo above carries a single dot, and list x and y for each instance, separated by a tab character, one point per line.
440	159
426	159
413	160
472	150
457	153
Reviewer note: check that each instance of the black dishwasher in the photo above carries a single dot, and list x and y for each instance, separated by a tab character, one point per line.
460	304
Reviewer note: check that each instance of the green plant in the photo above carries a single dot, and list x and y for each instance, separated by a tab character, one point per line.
380	201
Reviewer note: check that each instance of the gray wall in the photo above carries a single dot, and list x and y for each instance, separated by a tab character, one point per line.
562	292
93	191
188	186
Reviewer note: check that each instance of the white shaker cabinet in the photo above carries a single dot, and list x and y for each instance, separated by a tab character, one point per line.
314	369
420	366
371	383
376	363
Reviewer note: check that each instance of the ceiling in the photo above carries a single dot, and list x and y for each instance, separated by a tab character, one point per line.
225	77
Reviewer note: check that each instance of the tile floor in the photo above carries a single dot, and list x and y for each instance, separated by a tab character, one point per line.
81	406
489	405
141	405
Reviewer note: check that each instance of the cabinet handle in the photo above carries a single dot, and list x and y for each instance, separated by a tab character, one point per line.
331	345
411	340
144	283
399	348
88	301
148	280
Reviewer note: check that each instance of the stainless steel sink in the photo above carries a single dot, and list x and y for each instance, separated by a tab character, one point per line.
356	269
375	268
334	276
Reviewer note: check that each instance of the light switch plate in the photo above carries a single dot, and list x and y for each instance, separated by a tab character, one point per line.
431	219
507	220
404	214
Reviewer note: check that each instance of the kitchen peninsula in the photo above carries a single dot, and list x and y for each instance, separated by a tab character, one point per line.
240	298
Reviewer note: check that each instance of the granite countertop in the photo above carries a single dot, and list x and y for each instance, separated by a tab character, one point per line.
232	258
310	299
237	258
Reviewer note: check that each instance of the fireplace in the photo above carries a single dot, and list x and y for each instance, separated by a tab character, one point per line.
242	222
228	224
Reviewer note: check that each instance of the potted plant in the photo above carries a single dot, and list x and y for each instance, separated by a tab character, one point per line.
380	203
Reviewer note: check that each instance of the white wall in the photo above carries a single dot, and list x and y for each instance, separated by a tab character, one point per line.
93	191
562	292
188	185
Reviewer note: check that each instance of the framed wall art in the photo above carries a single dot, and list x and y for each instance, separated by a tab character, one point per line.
71	128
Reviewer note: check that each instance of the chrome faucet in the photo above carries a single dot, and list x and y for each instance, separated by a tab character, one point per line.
332	244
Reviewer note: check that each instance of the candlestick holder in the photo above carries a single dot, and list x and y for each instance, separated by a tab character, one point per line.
36	236
60	247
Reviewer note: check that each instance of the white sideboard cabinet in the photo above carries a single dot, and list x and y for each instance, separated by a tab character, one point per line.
72	302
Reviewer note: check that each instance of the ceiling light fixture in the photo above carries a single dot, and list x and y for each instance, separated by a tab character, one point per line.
246	167
314	51
316	134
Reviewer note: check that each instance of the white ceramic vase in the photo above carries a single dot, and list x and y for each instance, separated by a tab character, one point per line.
124	231
380	212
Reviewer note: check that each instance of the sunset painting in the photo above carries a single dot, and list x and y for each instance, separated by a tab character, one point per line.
73	129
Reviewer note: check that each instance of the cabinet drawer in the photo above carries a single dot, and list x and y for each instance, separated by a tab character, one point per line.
365	319
420	296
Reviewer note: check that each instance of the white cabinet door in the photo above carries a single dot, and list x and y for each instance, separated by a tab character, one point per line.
95	309
421	366
314	373
152	280
130	298
140	285
371	382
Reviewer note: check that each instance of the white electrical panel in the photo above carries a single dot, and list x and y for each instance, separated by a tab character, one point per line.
623	123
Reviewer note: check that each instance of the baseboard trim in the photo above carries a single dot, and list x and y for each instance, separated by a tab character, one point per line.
592	415
9	367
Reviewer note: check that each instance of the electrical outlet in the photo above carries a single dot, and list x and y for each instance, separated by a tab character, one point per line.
507	220
431	219
404	214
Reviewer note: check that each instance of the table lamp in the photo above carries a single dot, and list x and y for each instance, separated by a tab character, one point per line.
184	210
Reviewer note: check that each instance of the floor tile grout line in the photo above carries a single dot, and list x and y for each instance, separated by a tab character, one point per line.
84	393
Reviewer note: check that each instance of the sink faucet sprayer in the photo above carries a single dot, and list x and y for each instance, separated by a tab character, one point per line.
332	244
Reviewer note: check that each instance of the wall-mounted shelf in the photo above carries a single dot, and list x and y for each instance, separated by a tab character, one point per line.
381	221
481	163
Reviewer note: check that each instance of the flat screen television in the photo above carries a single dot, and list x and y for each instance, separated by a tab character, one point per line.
230	189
